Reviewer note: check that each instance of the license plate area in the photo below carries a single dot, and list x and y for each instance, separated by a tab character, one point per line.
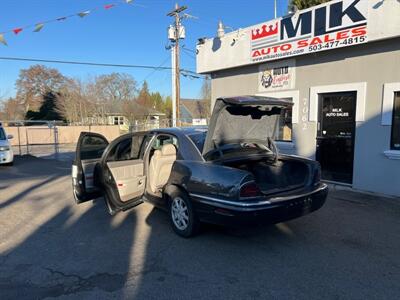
303	202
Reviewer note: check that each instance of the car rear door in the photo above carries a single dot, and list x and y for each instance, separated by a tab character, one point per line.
123	170
89	151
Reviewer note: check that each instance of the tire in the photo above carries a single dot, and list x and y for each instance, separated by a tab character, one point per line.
180	206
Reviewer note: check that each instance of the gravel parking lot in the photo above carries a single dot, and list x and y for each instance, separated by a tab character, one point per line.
51	247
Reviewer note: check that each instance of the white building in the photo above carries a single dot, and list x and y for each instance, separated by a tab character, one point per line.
340	65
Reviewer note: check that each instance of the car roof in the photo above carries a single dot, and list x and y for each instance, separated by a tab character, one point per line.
181	130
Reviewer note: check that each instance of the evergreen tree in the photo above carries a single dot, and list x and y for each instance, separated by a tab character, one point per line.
47	111
144	95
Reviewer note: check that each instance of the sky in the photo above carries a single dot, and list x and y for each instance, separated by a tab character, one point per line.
126	34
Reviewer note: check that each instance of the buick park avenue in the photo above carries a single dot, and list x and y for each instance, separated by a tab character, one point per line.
229	174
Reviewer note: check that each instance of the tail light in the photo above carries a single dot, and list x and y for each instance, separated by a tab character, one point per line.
250	189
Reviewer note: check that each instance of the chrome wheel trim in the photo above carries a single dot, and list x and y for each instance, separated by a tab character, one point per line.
179	213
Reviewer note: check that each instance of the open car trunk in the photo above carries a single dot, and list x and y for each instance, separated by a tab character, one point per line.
241	134
274	177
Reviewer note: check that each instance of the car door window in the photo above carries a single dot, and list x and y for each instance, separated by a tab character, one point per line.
126	149
162	140
92	147
137	142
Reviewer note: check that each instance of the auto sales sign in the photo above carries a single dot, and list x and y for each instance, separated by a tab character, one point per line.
333	25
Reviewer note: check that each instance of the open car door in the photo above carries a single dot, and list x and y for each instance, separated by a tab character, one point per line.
89	150
123	174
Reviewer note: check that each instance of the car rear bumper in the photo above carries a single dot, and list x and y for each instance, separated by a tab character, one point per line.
269	211
6	157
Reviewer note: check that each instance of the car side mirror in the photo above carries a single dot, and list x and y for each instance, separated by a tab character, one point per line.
10	137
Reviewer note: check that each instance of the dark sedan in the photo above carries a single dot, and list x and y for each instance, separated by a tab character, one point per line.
230	174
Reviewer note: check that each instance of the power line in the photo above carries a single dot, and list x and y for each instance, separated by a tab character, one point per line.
70	62
156	69
188	53
188	49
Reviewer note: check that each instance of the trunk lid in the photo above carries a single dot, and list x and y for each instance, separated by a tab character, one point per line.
242	119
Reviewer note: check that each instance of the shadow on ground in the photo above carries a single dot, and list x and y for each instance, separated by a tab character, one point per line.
54	248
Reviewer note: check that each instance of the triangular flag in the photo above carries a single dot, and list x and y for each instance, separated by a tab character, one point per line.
84	13
17	30
38	27
108	6
2	39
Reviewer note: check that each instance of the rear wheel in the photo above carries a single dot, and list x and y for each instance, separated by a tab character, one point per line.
182	215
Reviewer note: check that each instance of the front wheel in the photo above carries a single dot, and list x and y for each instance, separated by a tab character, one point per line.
182	215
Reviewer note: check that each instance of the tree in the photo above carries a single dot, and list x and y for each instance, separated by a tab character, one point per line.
205	94
36	82
108	91
144	97
205	91
73	104
47	110
303	4
12	109
168	107
115	87
157	101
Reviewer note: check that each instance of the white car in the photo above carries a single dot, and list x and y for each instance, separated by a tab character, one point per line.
6	153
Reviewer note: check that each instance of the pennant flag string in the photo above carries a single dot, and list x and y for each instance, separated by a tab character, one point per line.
17	30
39	26
2	39
108	6
84	13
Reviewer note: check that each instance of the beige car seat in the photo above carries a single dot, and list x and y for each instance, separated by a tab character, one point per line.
160	167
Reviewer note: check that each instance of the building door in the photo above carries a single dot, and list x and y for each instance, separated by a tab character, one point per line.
335	136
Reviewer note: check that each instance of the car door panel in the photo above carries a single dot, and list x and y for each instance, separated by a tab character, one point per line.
88	171
123	169
89	150
129	178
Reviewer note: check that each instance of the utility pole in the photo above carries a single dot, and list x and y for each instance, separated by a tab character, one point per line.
173	90
176	32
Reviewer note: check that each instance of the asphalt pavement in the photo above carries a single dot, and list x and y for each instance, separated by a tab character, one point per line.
51	247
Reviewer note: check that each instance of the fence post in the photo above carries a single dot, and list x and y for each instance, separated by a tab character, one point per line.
19	141
55	140
27	142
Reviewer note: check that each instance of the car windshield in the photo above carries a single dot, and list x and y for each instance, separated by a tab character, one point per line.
2	134
198	139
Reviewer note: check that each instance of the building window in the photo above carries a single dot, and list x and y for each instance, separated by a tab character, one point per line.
118	120
285	125
395	140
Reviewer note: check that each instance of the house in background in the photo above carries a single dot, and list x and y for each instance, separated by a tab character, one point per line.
194	111
133	115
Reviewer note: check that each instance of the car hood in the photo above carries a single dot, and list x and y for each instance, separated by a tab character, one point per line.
4	143
244	118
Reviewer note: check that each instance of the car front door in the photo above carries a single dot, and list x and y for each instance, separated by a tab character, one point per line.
89	151
123	174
